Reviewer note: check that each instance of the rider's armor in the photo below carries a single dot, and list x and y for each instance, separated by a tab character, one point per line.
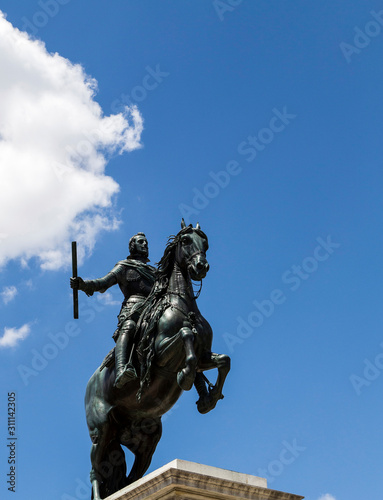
135	280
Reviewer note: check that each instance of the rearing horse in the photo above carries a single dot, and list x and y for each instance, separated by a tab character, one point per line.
174	350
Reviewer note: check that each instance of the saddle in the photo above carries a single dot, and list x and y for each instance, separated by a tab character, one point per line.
155	305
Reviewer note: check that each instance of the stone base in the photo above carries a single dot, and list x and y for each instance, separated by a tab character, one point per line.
181	480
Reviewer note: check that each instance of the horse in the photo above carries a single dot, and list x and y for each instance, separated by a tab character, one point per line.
173	352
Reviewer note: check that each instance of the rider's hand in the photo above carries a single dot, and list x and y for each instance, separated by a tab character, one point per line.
76	283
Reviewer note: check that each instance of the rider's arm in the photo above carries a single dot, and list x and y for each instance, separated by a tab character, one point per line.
100	284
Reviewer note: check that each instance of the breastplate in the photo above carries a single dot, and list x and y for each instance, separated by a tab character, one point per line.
134	284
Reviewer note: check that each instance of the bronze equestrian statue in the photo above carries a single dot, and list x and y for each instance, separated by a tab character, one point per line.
173	350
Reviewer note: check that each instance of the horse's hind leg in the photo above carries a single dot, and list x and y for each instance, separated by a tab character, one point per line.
143	440
98	455
185	377
95	478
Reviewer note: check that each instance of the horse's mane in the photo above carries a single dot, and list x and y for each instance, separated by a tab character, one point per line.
156	303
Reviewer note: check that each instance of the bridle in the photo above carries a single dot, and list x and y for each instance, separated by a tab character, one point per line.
198	252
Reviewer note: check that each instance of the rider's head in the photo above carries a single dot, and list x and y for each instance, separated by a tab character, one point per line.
138	246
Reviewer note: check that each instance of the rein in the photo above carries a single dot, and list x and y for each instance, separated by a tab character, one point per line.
183	295
191	316
199	291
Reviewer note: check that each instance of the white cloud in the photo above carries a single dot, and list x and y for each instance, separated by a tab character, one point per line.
8	293
327	496
29	284
108	300
54	146
13	335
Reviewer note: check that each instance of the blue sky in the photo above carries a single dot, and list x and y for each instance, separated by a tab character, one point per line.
262	121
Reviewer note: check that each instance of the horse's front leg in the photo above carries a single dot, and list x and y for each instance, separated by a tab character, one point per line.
208	397
186	376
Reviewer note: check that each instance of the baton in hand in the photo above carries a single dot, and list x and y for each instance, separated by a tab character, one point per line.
74	274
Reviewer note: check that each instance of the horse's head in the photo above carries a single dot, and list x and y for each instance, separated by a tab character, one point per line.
191	247
187	249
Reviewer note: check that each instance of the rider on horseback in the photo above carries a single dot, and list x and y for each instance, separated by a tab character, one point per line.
174	348
135	279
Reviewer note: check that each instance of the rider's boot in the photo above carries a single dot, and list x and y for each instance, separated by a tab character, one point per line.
124	368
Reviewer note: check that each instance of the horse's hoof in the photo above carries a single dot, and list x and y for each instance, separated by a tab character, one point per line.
204	405
185	381
208	402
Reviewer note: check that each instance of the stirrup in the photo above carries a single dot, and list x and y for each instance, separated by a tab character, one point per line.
125	376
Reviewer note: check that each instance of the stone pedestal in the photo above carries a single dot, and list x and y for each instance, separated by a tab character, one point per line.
181	480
